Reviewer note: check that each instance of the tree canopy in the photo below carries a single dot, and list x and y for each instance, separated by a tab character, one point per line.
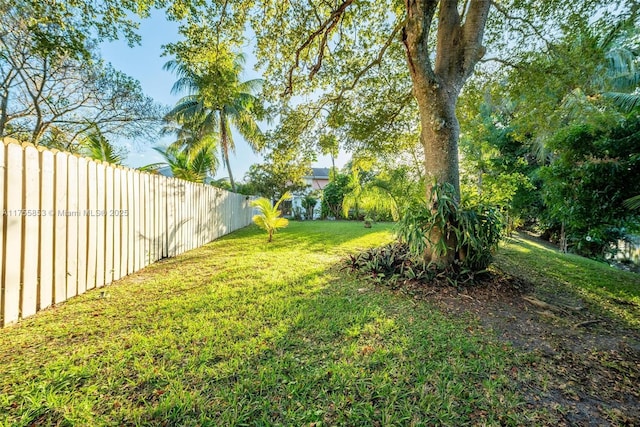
427	49
54	88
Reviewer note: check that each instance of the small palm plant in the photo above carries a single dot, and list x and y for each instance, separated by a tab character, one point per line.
97	147
269	218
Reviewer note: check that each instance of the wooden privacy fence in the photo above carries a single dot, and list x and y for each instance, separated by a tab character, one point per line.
70	224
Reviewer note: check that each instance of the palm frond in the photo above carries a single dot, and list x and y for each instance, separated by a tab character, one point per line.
187	80
627	102
97	147
251	86
186	108
285	196
269	217
622	66
632	203
185	84
248	128
193	166
152	168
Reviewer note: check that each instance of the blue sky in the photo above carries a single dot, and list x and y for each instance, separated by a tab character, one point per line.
144	63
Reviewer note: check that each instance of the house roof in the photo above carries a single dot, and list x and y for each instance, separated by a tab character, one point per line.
319	173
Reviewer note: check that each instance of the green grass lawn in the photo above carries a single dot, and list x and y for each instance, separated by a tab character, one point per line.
241	332
614	293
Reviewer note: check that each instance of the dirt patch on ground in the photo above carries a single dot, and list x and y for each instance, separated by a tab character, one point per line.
584	369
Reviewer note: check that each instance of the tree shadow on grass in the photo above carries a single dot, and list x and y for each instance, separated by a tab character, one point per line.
319	347
205	339
346	355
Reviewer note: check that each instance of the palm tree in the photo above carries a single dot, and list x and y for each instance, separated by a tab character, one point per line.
269	218
365	191
193	165
217	100
623	74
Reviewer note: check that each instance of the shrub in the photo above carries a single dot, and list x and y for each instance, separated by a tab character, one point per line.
391	263
477	229
395	265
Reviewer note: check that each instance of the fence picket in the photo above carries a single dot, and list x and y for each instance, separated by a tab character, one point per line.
101	225
60	227
83	224
46	228
71	215
117	223
147	220
157	248
124	223
136	223
108	219
13	242
130	223
31	238
92	225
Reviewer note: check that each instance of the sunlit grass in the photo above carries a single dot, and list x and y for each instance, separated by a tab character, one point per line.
613	292
241	332
245	332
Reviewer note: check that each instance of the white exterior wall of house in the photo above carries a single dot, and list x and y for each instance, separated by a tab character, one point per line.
315	182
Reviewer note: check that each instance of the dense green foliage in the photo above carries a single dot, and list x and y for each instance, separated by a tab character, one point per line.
477	230
585	186
308	203
369	186
332	196
560	159
67	27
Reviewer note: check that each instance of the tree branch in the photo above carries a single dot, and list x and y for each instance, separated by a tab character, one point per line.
415	37
502	61
325	29
530	24
376	61
448	38
472	33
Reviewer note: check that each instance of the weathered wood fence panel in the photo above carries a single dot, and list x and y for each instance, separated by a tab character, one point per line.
71	224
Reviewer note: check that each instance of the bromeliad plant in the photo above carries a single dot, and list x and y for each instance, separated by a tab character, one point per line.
475	232
269	218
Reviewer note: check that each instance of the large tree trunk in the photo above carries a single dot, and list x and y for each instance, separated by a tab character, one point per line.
437	85
439	135
224	147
